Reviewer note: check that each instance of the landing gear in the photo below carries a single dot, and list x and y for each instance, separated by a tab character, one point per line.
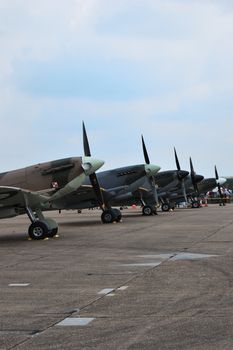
165	206
53	227
110	215
41	227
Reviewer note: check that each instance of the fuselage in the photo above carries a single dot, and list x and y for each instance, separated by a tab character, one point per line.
209	184
177	193
42	176
117	187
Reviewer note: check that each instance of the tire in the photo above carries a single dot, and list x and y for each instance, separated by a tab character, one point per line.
165	207
110	215
147	210
38	230
118	215
107	216
195	204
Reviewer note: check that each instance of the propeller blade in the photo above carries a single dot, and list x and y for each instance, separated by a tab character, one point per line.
146	157
86	146
219	187
179	176
96	187
152	179
177	160
220	195
191	166
219	191
93	178
184	190
192	173
216	173
156	197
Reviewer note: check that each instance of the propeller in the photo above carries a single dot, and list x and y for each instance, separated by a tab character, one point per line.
93	178
152	179
193	177
218	184
180	178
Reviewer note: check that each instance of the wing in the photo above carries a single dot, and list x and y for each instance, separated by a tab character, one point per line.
86	192
85	197
142	192
13	201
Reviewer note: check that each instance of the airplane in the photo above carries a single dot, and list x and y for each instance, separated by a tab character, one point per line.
108	188
161	188
40	187
155	189
208	184
148	194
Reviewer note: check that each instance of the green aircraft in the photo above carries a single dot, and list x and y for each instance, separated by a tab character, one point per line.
40	187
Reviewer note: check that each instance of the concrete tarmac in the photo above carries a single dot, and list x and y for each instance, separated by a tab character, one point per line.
161	282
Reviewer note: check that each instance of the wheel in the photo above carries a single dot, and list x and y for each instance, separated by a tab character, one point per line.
147	210
110	215
107	216
165	207
195	204
38	230
118	215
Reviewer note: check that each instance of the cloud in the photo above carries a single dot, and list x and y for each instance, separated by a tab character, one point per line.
126	67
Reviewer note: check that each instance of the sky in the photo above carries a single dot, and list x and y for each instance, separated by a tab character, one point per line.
161	68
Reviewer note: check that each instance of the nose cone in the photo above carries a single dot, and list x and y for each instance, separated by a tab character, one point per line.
182	174
90	165
221	181
199	178
151	169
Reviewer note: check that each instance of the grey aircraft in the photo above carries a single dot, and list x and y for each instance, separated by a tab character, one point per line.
157	187
149	194
208	184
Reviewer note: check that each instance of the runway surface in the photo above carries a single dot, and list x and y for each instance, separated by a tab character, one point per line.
161	282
